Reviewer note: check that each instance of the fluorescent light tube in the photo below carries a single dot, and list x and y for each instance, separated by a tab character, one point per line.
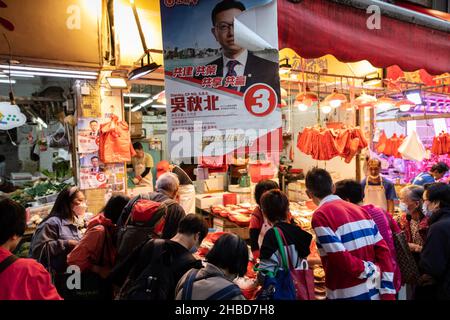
65	71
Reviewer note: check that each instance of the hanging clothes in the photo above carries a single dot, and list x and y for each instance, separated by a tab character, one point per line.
115	142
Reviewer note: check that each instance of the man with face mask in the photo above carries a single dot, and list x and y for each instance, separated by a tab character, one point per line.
378	190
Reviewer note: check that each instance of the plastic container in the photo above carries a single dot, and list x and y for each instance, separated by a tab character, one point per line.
229	198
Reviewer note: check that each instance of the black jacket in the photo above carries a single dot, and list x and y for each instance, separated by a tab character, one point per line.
435	257
257	70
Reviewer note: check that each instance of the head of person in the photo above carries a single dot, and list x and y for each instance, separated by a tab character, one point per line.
411	199
319	184
137	146
70	203
349	190
436	198
95	162
113	209
93	125
262	187
374	168
439	170
275	206
194	229
162	167
229	253
222	18
13	222
169	184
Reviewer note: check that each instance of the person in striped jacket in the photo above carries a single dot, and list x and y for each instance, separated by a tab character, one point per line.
355	257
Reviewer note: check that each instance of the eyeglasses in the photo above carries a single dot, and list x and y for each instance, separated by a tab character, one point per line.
224	26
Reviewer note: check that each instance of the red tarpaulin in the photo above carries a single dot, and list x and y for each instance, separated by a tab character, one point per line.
314	28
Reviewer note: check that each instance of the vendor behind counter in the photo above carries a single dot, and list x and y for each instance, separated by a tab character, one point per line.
142	165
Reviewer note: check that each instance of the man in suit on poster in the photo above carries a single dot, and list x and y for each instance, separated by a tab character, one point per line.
237	61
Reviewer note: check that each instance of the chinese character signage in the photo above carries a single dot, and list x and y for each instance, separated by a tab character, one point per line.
221	76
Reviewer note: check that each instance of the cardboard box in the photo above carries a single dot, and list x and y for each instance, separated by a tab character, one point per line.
213	184
224	225
205	201
136	117
136	130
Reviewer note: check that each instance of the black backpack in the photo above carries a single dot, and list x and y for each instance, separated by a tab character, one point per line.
155	279
133	233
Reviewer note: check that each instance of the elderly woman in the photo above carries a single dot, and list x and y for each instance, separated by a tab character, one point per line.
414	222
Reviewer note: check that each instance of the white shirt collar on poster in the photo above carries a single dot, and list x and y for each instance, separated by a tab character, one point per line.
240	68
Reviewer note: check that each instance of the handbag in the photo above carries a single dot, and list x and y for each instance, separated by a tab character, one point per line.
278	285
303	278
406	262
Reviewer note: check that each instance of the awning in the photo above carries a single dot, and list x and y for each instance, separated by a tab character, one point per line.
314	28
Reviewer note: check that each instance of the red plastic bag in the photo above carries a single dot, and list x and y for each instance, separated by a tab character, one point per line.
115	142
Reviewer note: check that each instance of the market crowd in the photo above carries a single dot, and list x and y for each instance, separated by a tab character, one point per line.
143	248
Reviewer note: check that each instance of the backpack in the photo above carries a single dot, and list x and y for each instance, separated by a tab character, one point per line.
154	280
226	293
145	221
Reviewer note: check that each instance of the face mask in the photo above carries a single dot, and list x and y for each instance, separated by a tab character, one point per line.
425	210
404	208
80	209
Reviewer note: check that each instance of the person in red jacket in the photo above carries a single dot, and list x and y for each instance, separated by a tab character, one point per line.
96	253
20	279
356	259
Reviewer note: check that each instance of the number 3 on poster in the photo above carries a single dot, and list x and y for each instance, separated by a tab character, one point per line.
260	100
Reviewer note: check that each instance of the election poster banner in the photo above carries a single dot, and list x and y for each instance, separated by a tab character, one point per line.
88	135
96	175
221	76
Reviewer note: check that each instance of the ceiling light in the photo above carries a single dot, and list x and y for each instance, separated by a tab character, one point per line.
365	100
405	105
46	74
143	70
117	82
146	102
65	71
414	96
305	99
385	103
8	81
326	109
159	106
3	76
137	95
22	75
138	107
128	105
336	99
301	106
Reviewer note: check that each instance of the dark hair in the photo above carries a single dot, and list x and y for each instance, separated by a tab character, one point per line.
319	183
225	5
94	157
61	208
93	121
192	224
440	167
262	187
438	192
138	146
113	209
2	158
229	252
351	190
172	222
13	220
275	205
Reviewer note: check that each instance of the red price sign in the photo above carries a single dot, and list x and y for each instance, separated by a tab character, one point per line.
260	100
101	177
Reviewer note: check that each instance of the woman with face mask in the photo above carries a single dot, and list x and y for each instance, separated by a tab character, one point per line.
434	283
58	234
414	220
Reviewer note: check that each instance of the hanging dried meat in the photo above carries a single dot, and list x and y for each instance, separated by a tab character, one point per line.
441	144
325	144
389	147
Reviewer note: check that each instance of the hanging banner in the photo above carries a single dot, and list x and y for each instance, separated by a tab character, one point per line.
94	174
88	135
221	77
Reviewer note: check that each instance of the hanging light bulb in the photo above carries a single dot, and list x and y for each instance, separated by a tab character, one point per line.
336	99
365	100
385	103
305	100
326	109
405	105
301	106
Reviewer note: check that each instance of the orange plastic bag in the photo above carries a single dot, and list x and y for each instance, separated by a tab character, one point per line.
115	142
